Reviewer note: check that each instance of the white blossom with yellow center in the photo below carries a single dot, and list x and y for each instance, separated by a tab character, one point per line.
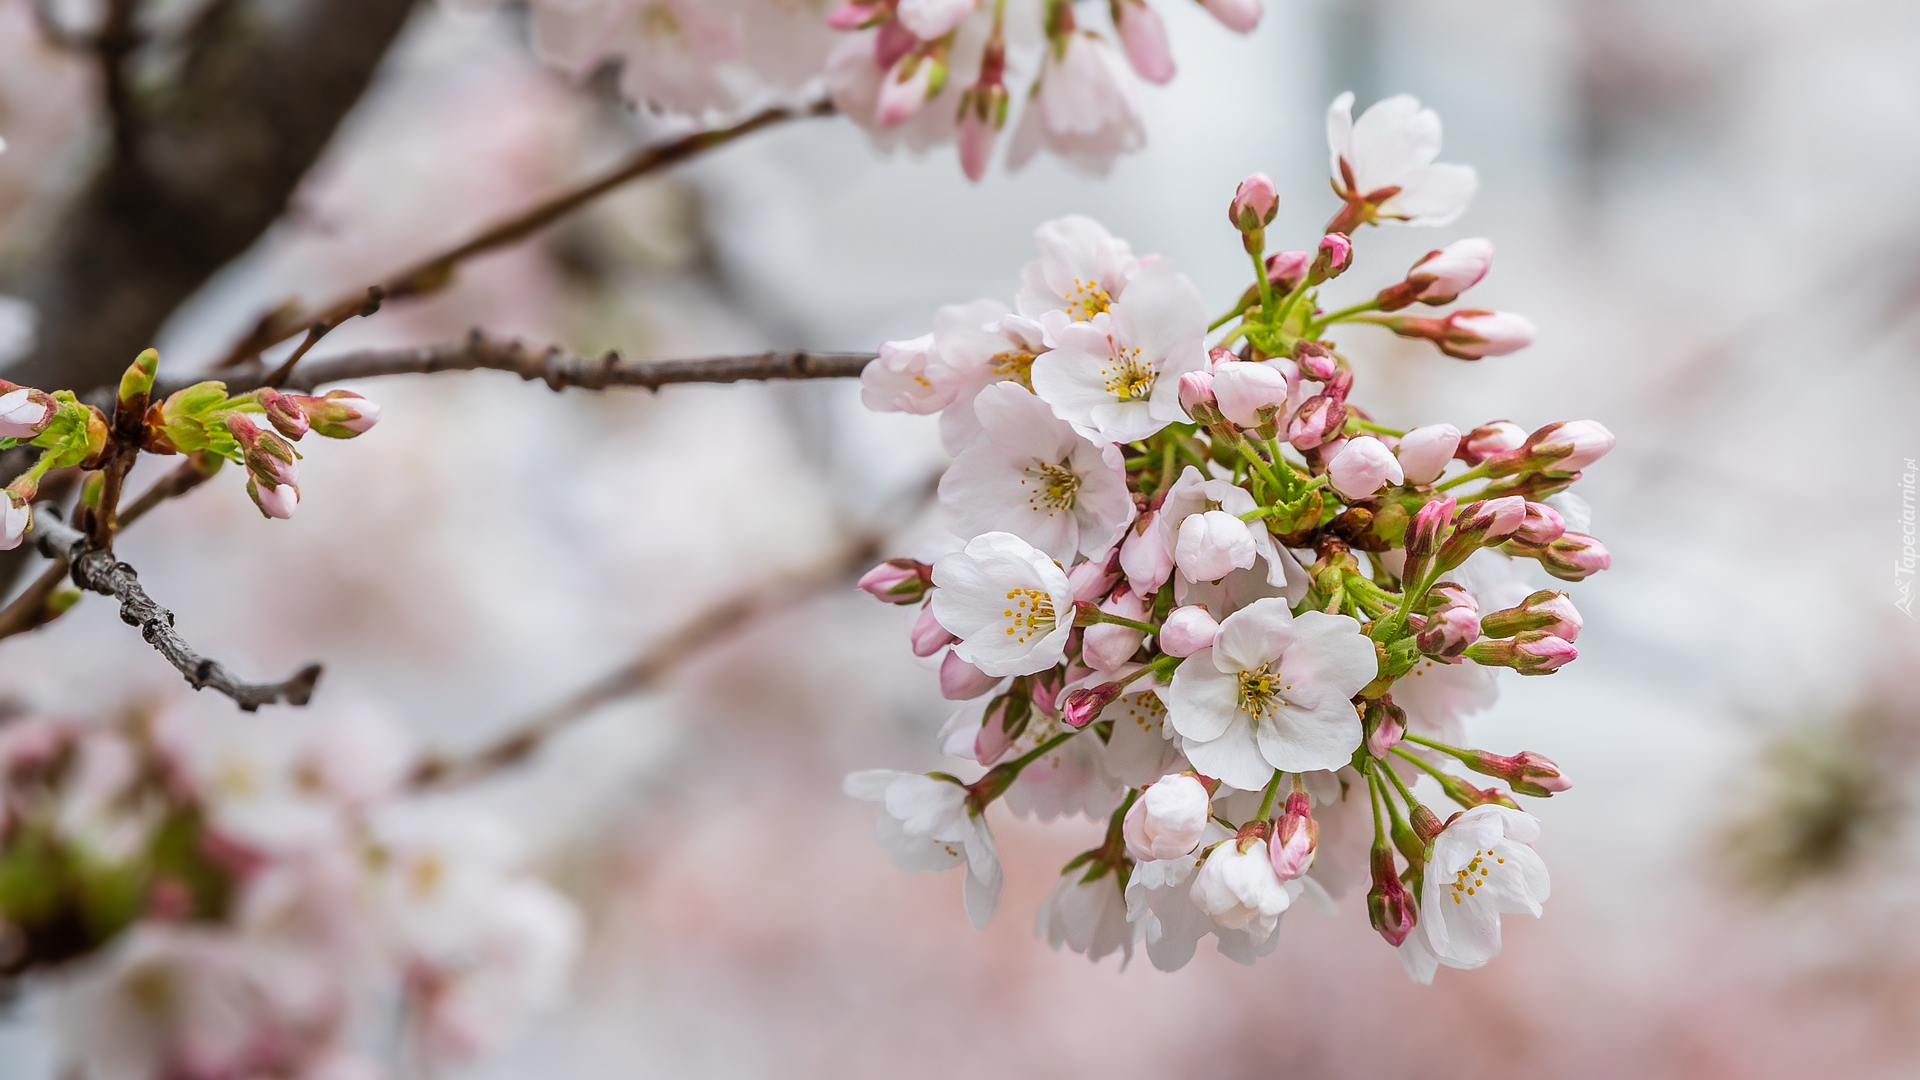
1116	376
1009	604
1480	867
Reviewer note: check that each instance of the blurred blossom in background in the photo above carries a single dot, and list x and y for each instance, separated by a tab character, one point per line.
1701	205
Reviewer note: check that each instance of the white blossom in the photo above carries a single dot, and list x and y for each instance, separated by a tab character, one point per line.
1116	377
1480	867
1082	270
1168	818
925	824
1088	916
1011	606
1086	108
1239	890
1393	146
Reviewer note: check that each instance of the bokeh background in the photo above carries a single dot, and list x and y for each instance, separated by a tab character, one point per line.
1706	207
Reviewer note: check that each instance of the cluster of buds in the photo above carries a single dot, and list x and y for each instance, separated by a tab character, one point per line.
224	898
1203	594
68	433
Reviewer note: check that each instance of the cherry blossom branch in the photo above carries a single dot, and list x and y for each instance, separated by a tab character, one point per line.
435	271
556	367
648	669
97	570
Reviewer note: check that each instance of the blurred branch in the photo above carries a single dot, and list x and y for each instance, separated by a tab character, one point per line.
554	366
112	46
434	272
97	570
646	670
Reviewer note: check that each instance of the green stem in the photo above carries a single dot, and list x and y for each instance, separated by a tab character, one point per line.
1377	429
1475	473
1260	278
1269	797
1450	751
1131	624
1344	314
1019	764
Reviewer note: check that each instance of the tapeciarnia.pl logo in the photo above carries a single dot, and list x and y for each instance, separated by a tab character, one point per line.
1903	567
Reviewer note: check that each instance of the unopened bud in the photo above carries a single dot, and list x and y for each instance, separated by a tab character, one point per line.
1188	630
1332	259
1480	524
1575	557
913	80
1425	451
1564	448
1144	37
1085	704
1254	204
24	411
1248	393
1531	652
136	383
284	413
1468	334
1287	269
16	515
269	458
1386	725
1197	397
1316	360
1362	467
1389	908
961	681
1426	529
928	636
1527	773
1168	820
1319	420
1093	578
1441	276
1296	839
1545	610
274	500
1491	440
1542	525
341	414
1448	632
897	581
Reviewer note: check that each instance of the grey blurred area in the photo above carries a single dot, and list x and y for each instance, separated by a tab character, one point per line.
1705	207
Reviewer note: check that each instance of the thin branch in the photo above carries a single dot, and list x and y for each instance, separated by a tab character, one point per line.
556	367
113	45
435	271
646	670
30	610
95	570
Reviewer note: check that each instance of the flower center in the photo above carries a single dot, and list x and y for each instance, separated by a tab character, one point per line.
1029	614
1261	693
1473	876
1129	378
659	22
1086	299
1050	488
1014	366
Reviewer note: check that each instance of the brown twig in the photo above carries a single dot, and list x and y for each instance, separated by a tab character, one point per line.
556	367
97	570
435	271
646	670
113	45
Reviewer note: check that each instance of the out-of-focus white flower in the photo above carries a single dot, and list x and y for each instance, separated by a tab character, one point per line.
975	346
1088	917
1082	270
1086	110
1031	475
1273	692
926	825
1480	867
1386	160
896	380
1240	16
1010	605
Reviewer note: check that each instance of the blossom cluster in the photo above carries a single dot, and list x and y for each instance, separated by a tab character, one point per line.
206	900
255	430
1205	596
918	73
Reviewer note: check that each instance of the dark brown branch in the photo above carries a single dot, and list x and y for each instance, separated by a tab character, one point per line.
646	670
556	367
95	570
435	271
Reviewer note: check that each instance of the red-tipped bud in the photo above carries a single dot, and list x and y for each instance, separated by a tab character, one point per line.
1482	523
1542	526
1316	360
1468	334
1527	773
928	635
897	581
1563	449
1386	726
1448	632
1490	440
341	414
274	500
1319	420
1084	705
1287	269
1389	907
1532	652
270	459
284	413
1197	398
1296	838
1425	530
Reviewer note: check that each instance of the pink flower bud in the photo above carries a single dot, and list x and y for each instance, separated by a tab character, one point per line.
1534	652
1092	579
274	500
1575	557
1332	259
1389	908
1493	520
897	581
983	112
1107	646
909	85
1316	360
1240	16
856	14
268	456
1187	630
1441	276
1491	440
1548	611
1363	467
1295	839
1542	526
1473	334
1144	556
1084	704
1212	545
1425	451
961	681
1448	632
284	413
928	635
1168	820
24	412
1565	448
1319	420
1197	396
1287	269
1248	393
1145	38
1254	203
1386	726
341	414
1428	526
1527	773
15	516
